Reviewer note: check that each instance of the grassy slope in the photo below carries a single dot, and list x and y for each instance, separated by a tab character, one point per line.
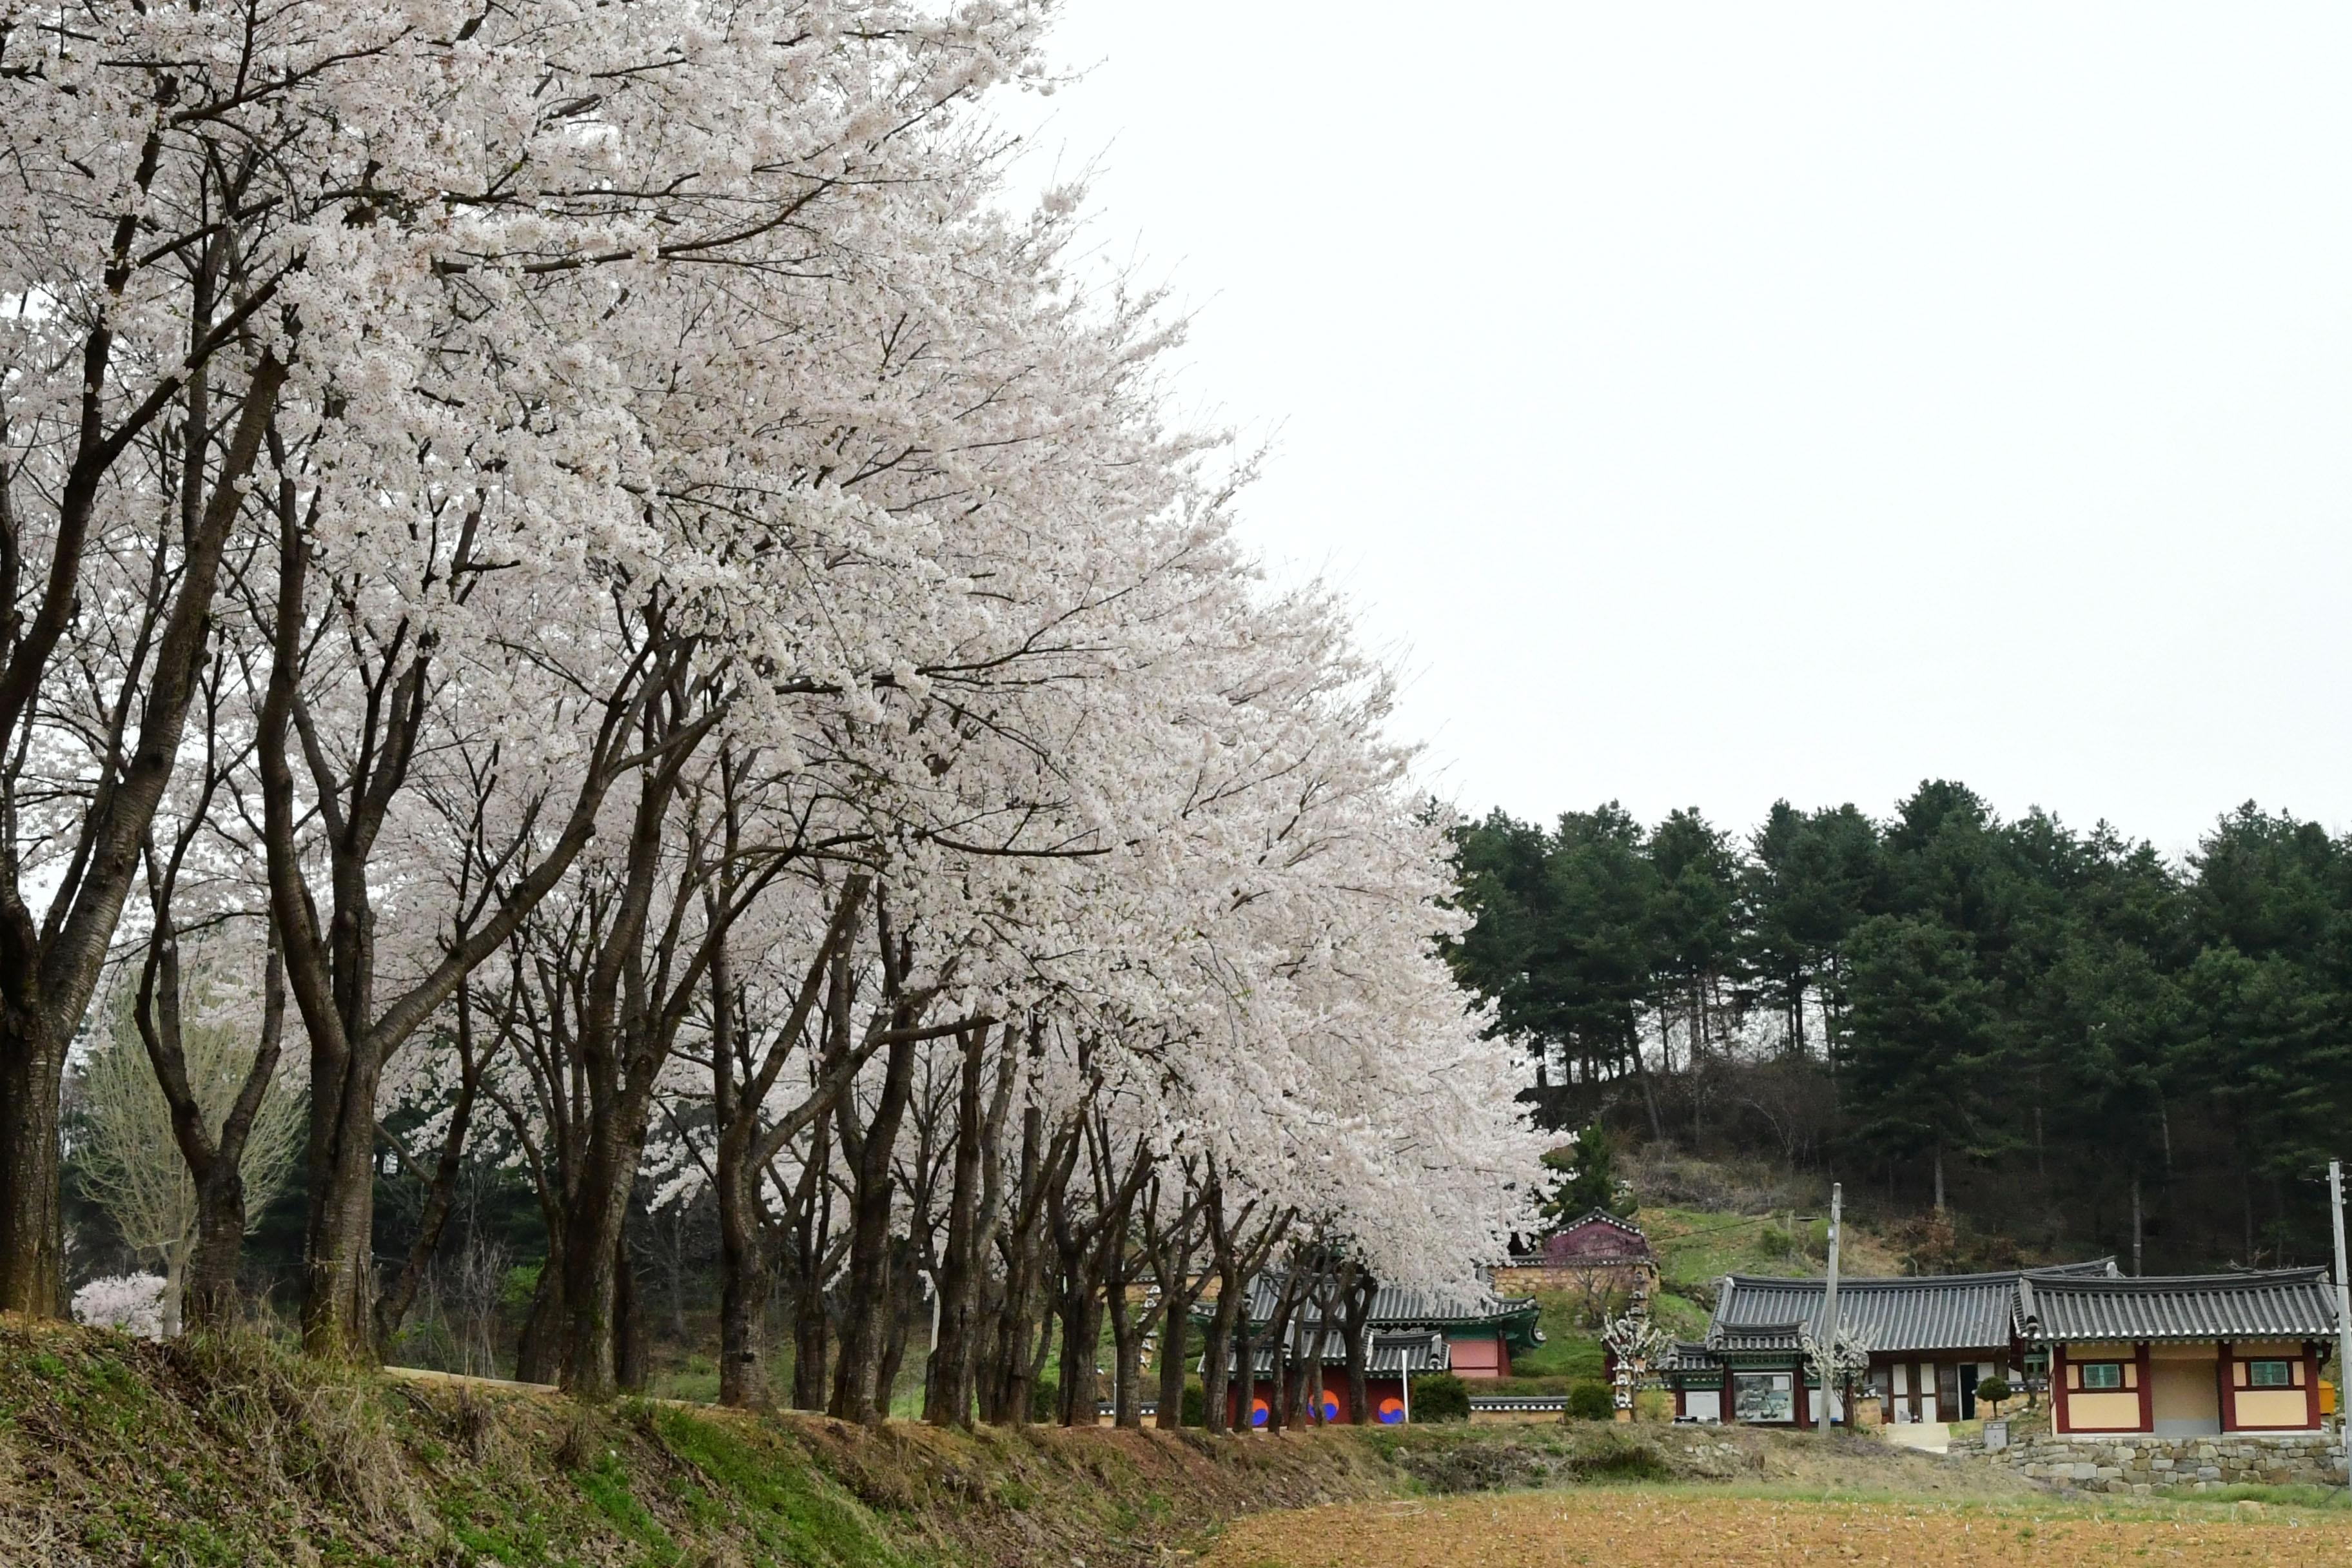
1696	1247
117	1451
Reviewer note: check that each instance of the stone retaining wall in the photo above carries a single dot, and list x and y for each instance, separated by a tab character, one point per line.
2143	1465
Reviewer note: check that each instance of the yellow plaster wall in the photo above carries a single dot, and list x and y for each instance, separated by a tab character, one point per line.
2272	1407
2115	1412
2193	1350
2280	1350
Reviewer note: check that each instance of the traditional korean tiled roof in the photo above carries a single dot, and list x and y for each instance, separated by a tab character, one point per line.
1385	1355
1395	1308
1930	1313
1595	1238
2269	1304
1686	1356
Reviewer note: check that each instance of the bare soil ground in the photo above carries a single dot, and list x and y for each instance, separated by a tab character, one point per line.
1630	1528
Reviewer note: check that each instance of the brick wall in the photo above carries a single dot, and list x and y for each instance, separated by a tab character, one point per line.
2143	1464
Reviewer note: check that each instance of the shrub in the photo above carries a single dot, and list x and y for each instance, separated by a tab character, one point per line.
1621	1460
1195	1411
1591	1401
1992	1391
1440	1396
1045	1397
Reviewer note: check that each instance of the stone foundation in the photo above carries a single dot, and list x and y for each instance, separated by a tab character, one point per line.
2143	1465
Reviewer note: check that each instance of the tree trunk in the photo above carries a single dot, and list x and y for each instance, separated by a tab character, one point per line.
1649	1094
1043	1166
1216	1362
1279	1335
1356	1318
812	1348
176	1276
210	1293
592	1283
1940	1175
744	1284
1175	1322
32	1225
868	1283
812	1326
539	1354
632	1348
1244	1373
441	1188
948	1390
896	1324
339	1233
2138	1232
1081	1308
1127	1344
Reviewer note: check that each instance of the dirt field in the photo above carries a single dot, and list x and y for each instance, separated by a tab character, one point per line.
1613	1528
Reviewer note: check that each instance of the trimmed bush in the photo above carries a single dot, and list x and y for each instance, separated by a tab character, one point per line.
1440	1396
1591	1401
1992	1391
1195	1411
1044	1395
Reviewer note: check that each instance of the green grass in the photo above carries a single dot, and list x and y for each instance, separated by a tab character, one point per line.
1568	1351
1696	1248
605	1483
696	1380
778	1497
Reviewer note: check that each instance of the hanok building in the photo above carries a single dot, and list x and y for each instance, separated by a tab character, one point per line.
1932	1338
1408	1333
2189	1356
1596	1255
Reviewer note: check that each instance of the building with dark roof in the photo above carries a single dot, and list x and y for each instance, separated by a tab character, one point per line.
1410	1333
2179	1355
1604	1262
1932	1339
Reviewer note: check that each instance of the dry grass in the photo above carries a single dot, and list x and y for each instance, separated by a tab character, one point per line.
1637	1529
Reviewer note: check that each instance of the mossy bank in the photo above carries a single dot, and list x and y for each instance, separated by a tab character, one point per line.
115	1451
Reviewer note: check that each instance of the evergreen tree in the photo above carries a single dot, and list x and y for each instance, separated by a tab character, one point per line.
1920	1053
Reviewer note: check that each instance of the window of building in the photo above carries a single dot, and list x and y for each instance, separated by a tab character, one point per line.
2102	1374
2271	1373
1763	1397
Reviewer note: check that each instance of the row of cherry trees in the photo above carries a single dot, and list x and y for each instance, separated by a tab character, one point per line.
583	566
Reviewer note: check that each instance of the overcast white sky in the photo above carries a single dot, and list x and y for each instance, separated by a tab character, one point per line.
1715	403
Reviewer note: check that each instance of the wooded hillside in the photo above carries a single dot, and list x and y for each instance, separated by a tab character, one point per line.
2080	1044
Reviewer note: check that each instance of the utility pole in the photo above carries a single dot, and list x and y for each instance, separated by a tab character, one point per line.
2343	1314
1829	1311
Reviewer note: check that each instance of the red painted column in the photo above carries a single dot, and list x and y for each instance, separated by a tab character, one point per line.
2058	1401
2226	1369
2147	1390
2311	1387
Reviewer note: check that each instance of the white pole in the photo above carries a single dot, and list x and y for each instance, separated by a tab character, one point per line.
1829	1311
2343	1313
